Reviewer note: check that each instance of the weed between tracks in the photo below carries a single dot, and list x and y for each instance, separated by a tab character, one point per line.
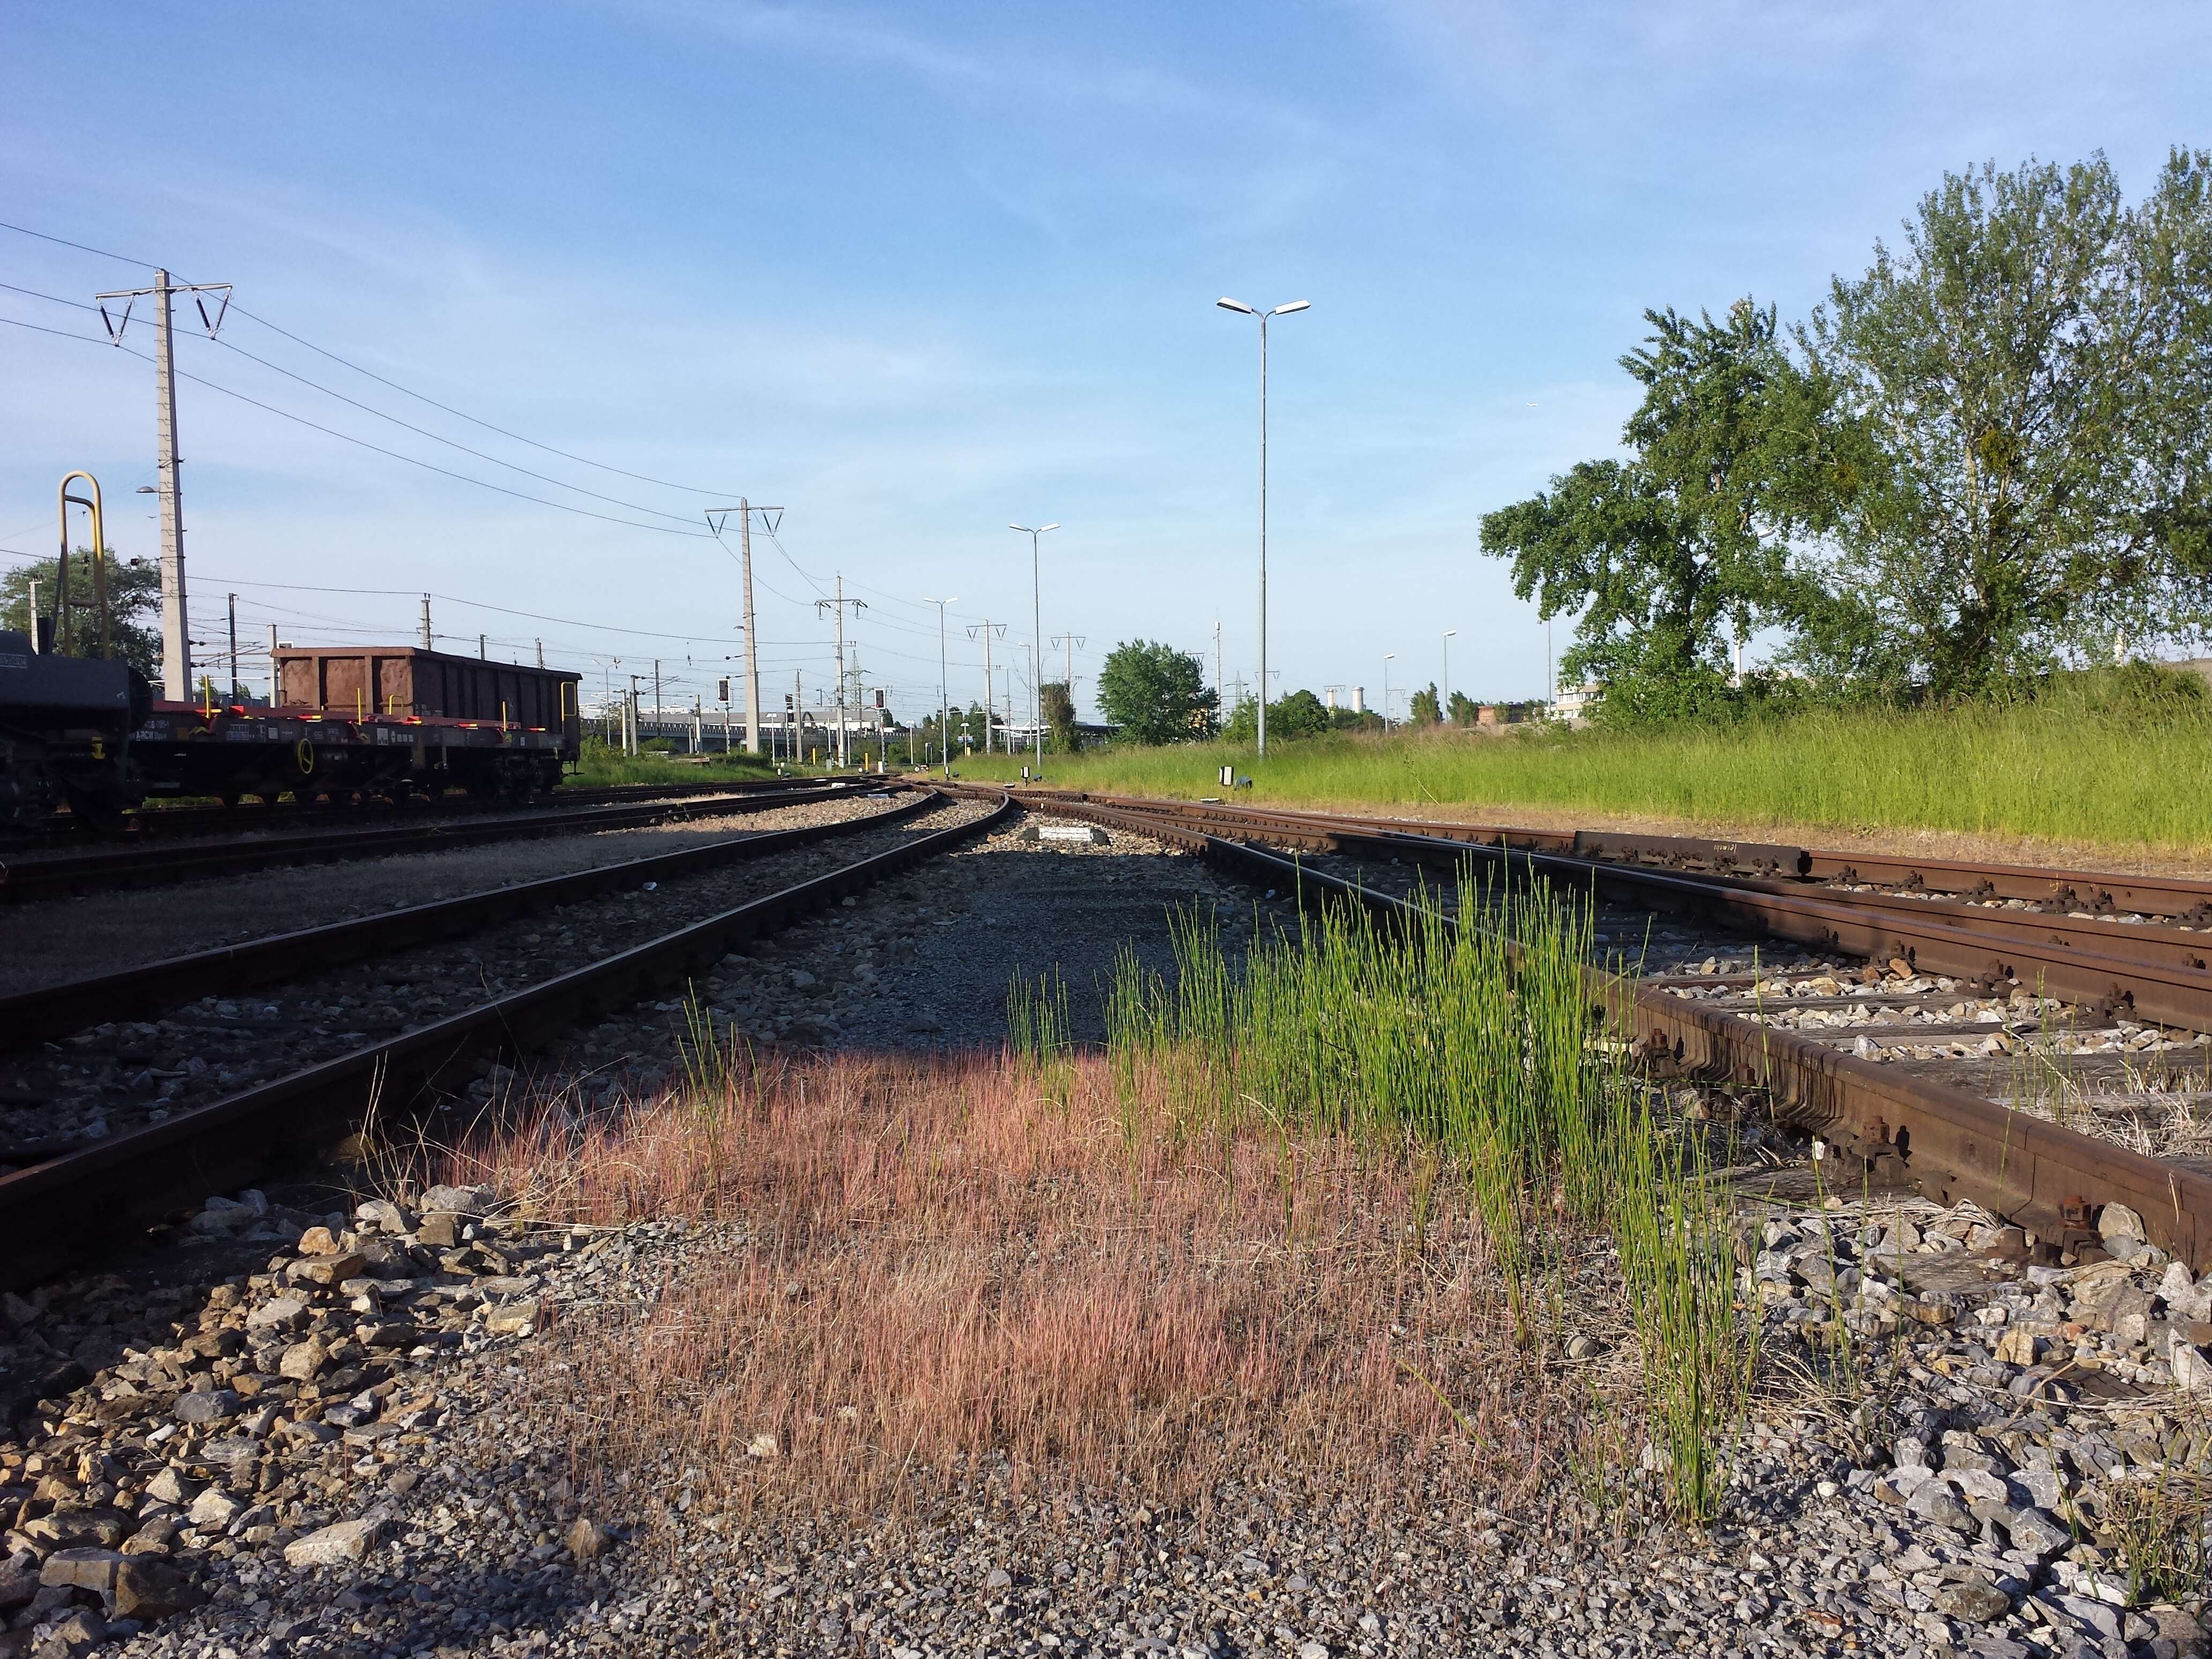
1333	1219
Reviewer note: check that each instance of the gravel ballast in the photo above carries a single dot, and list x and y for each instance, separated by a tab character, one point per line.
321	1432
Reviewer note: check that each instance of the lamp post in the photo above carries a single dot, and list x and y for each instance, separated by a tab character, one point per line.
1036	625
1388	656
1443	703
943	693
1227	304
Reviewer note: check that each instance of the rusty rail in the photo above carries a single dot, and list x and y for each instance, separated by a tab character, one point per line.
28	1017
1954	1145
43	875
53	1215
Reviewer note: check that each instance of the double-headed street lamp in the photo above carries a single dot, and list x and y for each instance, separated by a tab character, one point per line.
1037	622
1227	304
944	685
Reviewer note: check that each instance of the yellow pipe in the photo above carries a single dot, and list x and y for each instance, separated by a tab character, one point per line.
99	563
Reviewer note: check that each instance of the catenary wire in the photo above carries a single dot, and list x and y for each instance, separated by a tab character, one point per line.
427	466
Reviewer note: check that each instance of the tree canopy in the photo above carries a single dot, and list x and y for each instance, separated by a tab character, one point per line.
1156	694
1673	554
134	593
2031	370
1985	457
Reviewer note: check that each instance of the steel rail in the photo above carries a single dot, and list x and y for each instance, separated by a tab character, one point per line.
1952	1144
165	823
2157	974
46	1011
53	1215
2093	890
31	878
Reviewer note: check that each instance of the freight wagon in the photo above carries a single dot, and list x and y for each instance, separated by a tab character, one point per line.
362	720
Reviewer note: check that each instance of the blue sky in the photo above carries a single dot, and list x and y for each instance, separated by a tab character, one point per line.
915	272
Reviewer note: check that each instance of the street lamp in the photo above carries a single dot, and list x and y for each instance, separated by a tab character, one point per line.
1443	703
1388	656
1227	304
944	682
1036	623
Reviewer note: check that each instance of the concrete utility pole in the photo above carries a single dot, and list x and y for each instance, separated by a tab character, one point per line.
716	518
836	606
482	653
983	630
427	646
1218	688
233	647
1443	699
656	689
629	720
176	644
275	680
541	653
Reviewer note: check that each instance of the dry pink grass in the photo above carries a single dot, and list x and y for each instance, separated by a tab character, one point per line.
915	1273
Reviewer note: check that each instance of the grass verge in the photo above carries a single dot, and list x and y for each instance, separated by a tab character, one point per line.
598	767
2069	768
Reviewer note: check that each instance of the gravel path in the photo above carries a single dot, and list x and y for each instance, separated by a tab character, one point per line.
329	1456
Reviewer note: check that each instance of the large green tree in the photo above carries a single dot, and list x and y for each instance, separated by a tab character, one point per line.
2030	374
1153	693
1671	554
134	598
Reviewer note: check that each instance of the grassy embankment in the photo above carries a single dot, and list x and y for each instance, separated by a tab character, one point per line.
2064	769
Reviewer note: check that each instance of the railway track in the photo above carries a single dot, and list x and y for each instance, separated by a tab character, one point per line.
170	823
50	875
67	1198
1955	957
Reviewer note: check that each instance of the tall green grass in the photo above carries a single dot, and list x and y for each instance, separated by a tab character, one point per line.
2129	773
1478	1045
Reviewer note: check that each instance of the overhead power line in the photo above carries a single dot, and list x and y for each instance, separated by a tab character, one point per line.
345	362
81	247
581	460
347	437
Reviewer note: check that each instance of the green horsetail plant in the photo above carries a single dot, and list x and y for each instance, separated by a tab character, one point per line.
1477	1045
1669	1219
1038	1034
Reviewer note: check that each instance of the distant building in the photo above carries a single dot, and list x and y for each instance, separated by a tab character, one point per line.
1574	702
